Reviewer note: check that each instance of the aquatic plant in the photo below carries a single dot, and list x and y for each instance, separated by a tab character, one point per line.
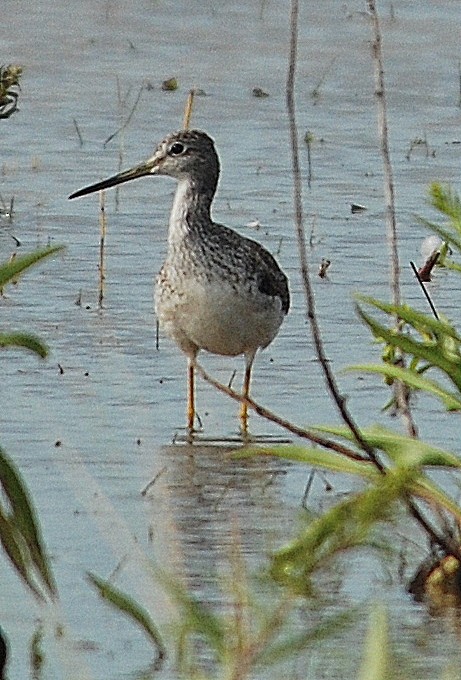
20	533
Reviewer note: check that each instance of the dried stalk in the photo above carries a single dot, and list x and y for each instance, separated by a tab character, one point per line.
338	398
188	110
401	393
389	192
102	243
281	422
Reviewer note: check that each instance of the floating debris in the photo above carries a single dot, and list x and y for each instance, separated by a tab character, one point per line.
170	84
417	143
254	224
357	207
429	245
434	251
425	271
259	92
323	269
7	211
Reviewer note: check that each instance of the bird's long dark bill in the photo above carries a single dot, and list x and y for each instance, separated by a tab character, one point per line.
140	170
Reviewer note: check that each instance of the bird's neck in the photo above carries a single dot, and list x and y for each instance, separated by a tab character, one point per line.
191	209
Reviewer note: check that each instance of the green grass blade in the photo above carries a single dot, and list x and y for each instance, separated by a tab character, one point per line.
13	546
451	401
376	664
316	457
346	525
196	617
447	201
24	341
430	492
419	320
403	451
289	647
127	605
10	270
420	350
24	520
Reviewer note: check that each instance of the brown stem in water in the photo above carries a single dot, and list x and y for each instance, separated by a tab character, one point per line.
274	418
401	394
338	398
102	243
389	192
188	110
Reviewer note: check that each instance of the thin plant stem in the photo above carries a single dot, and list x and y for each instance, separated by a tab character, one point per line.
338	398
188	110
102	243
389	191
444	541
424	289
277	420
127	121
401	392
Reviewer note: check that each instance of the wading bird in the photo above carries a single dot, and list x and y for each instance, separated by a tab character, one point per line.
217	290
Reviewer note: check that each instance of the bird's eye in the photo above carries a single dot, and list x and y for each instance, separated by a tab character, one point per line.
176	149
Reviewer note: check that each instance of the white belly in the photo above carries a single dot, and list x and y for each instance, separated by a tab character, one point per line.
217	318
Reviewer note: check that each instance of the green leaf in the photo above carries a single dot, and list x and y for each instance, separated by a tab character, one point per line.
434	354
403	451
14	548
413	379
317	457
346	525
376	664
289	647
10	270
419	320
127	605
25	526
195	616
25	341
430	492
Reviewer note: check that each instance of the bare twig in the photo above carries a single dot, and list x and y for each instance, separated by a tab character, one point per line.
274	418
77	129
402	394
423	287
299	220
102	243
188	110
389	192
127	120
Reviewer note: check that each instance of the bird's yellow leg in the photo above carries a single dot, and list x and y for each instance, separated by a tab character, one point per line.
190	396
246	394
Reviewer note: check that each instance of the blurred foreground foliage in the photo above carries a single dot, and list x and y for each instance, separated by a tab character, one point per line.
20	533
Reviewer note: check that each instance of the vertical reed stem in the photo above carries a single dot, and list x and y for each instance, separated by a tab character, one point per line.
102	242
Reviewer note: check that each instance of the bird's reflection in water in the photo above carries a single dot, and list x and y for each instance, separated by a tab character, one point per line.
213	504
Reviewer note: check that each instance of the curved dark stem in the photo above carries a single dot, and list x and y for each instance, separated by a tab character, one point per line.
443	541
313	437
338	398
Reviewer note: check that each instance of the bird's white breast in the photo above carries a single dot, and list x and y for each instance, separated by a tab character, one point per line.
215	317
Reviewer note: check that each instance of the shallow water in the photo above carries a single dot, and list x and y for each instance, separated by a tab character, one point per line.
119	403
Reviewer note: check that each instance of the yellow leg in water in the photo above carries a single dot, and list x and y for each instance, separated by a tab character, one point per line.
190	396
246	394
